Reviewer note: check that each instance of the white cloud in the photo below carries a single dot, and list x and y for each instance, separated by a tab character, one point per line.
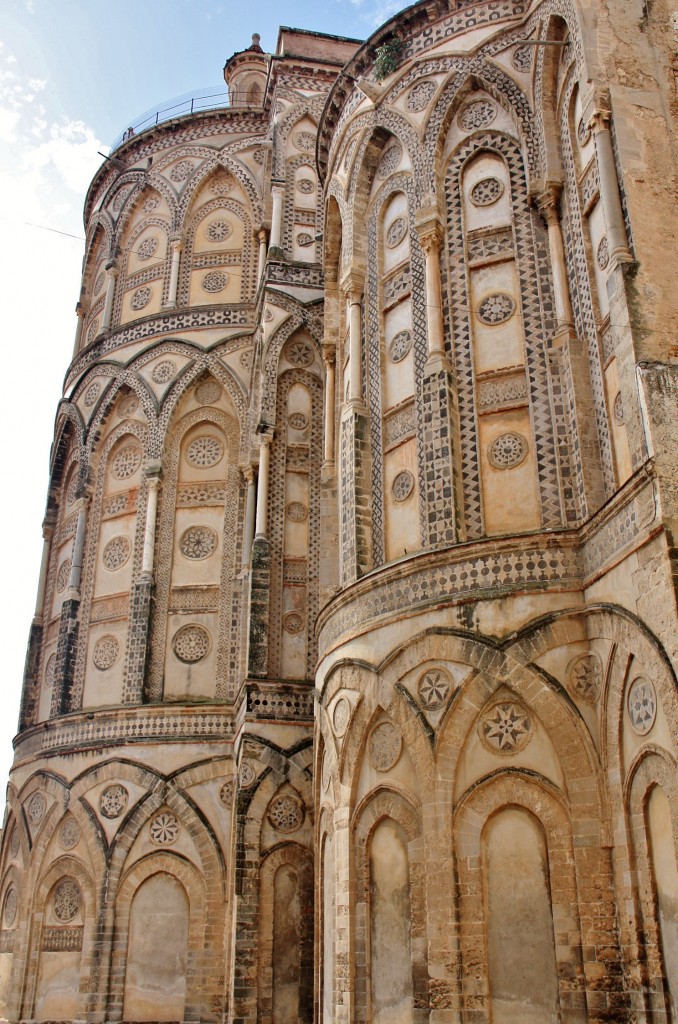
9	120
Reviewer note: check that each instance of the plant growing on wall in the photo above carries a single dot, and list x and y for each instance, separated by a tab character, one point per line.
387	58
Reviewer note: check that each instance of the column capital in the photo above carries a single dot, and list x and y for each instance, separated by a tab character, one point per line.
154	472
80	310
278	188
329	356
176	244
429	228
265	433
546	197
111	268
248	474
260	233
597	109
352	283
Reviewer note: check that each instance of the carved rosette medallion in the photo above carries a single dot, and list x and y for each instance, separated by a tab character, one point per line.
384	746
208	392
116	553
141	298
487	191
305	186
92	394
218	230
191	644
215	281
496	309
396	232
507	451
403	485
389	160
204	452
69	834
163	372
603	253
126	462
226	793
14	843
164	829
618	408
505	728
113	801
50	670
297	420
198	542
434	688
35	808
106	652
293	622
401	344
642	705
147	248
181	171
296	511
246	775
63	575
10	908
298	352
419	96
67	900
286	813
304	141
340	716
477	114
585	677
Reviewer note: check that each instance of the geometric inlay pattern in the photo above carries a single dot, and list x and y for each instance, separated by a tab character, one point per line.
477	114
198	542
215	281
419	96
116	553
585	677
396	232
390	160
496	309
113	801
403	485
63	575
70	833
205	451
163	372
106	651
486	192
507	451
126	462
141	298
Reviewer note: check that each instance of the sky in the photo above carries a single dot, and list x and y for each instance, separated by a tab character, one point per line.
73	75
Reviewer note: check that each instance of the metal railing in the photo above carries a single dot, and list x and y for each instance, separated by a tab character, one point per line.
189	103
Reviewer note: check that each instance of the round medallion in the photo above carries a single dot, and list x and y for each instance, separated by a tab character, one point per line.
304	239
218	230
151	204
92	330
67	900
477	114
297	420
35	809
259	155
350	150
299	352
141	298
521	58
128	406
11	905
400	345
286	813
603	253
181	171
403	485
63	576
205	451
293	622
14	842
226	793
507	451
222	184
434	688
246	360
246	775
208	392
305	141
191	644
305	186
72	490
396	232
618	408
198	542
384	746
642	705
164	829
113	801
505	728
390	159
163	372
325	774
420	96
585	676
120	197
147	248
340	716
215	281
487	191
92	394
126	462
496	309
50	670
106	652
116	553
69	834
99	283
296	511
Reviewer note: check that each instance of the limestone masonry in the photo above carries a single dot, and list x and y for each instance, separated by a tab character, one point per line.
350	694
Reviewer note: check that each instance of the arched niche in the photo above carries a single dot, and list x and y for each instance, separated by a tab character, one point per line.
157	951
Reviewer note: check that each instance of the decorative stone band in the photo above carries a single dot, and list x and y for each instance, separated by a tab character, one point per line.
177	724
62	939
232	315
568	560
278	702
